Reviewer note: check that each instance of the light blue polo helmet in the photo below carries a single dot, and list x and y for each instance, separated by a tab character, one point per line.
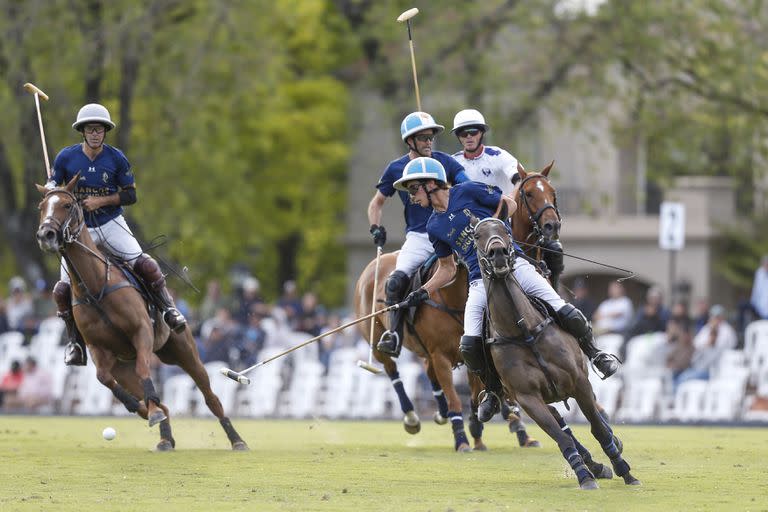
422	168
416	122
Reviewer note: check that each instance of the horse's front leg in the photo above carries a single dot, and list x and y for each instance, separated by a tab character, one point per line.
105	363
142	342
443	371
411	421
597	469
476	426
539	411
441	414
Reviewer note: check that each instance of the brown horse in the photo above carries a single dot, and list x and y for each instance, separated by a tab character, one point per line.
538	362
536	222
115	321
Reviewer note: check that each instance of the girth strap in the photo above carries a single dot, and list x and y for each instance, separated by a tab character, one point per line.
103	293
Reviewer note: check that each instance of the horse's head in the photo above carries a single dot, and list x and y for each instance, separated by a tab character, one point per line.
538	200
495	251
61	217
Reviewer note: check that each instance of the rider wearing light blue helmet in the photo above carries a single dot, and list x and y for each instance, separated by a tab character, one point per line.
417	131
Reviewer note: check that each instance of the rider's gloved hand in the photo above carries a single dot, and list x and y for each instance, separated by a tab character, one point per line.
379	235
415	298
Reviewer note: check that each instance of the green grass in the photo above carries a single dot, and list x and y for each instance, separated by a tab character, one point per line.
63	463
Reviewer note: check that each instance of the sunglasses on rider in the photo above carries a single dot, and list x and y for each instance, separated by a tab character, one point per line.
424	138
468	133
94	129
413	188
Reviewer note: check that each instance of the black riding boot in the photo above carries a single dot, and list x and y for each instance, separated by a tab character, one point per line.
391	341
575	323
473	352
150	271
74	353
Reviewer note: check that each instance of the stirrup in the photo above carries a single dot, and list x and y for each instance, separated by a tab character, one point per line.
605	364
75	355
389	343
489	405
175	320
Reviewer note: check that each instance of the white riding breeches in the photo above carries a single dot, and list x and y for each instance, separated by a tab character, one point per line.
114	237
530	281
415	251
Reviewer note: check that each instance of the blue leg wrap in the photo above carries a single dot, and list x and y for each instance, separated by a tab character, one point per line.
457	425
475	426
442	403
405	402
577	464
611	450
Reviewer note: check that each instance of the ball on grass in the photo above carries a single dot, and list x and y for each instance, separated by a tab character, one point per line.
108	433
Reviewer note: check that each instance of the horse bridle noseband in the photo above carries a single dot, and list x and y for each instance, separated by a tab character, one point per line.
64	229
534	217
485	264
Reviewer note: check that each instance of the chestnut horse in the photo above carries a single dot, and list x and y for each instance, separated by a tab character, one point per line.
537	361
115	321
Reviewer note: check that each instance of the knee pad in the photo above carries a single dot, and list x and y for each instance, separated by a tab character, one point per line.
471	349
574	321
148	268
396	286
61	295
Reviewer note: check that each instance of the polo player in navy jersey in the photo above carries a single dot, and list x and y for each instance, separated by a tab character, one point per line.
418	131
106	184
449	230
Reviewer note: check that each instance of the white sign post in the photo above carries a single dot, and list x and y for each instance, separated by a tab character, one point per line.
672	236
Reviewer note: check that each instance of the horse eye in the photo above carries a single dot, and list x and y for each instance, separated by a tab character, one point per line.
68	206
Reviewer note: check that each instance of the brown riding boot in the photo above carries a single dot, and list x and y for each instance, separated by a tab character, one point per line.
150	272
74	353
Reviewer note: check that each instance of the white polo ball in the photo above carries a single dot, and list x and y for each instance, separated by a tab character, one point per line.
108	433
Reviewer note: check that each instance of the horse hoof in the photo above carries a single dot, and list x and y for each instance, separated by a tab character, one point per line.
156	417
463	448
600	471
531	443
240	446
440	419
480	447
165	446
588	485
411	423
630	480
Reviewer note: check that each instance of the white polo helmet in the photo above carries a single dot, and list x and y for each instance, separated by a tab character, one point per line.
422	168
416	122
469	117
93	113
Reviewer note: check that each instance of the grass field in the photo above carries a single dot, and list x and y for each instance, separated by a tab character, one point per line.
61	463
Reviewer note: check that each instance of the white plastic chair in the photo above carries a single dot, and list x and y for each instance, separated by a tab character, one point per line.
224	387
302	396
758	358
177	394
610	343
689	400
757	330
260	398
724	398
641	399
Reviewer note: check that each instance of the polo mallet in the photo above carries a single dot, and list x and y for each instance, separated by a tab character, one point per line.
242	379
33	89
406	17
369	365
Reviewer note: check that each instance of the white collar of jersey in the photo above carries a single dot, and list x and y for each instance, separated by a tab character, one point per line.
480	152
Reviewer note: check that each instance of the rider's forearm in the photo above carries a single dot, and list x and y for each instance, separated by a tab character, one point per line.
442	276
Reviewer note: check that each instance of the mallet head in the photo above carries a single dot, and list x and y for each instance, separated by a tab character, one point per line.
369	367
410	13
242	379
33	89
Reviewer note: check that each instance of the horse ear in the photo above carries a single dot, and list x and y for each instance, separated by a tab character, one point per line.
473	221
41	189
72	184
521	171
548	168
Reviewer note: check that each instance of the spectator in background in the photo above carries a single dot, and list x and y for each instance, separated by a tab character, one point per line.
614	314
218	335
290	303
652	317
19	304
3	317
213	301
679	339
35	390
759	298
312	316
253	337
700	314
251	296
582	300
711	341
9	385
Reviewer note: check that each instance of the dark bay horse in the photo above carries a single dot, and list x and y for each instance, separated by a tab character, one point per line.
538	362
115	322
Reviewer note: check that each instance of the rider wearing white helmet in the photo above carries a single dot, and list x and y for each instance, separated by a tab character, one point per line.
106	184
417	131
